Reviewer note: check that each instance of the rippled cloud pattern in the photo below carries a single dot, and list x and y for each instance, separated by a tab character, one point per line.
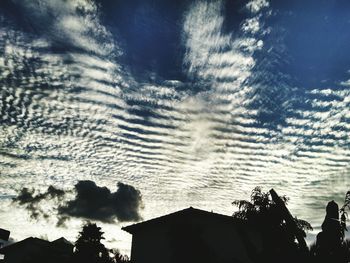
194	102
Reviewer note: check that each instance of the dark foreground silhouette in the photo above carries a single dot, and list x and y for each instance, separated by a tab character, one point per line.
262	230
87	249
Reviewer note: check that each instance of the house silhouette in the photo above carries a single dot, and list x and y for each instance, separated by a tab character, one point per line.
194	235
4	235
37	250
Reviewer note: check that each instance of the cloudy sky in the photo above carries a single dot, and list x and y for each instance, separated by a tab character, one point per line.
153	106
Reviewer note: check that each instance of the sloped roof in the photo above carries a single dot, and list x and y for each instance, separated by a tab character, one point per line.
30	240
188	212
37	242
62	240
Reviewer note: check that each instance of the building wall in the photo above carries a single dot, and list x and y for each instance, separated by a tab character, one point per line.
28	253
150	247
23	254
203	240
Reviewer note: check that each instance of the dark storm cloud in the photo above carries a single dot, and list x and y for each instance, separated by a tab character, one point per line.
30	200
27	195
90	202
99	203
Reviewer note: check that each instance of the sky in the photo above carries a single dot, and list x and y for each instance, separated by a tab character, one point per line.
120	111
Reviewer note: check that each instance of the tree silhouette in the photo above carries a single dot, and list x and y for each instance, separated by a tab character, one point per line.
117	257
88	247
343	213
261	209
279	239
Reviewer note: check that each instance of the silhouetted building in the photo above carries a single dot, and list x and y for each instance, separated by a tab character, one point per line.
38	250
193	235
4	237
4	234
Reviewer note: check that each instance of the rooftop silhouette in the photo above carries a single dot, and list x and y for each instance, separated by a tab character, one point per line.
262	230
34	249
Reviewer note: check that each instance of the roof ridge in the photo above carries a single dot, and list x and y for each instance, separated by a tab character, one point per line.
170	215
